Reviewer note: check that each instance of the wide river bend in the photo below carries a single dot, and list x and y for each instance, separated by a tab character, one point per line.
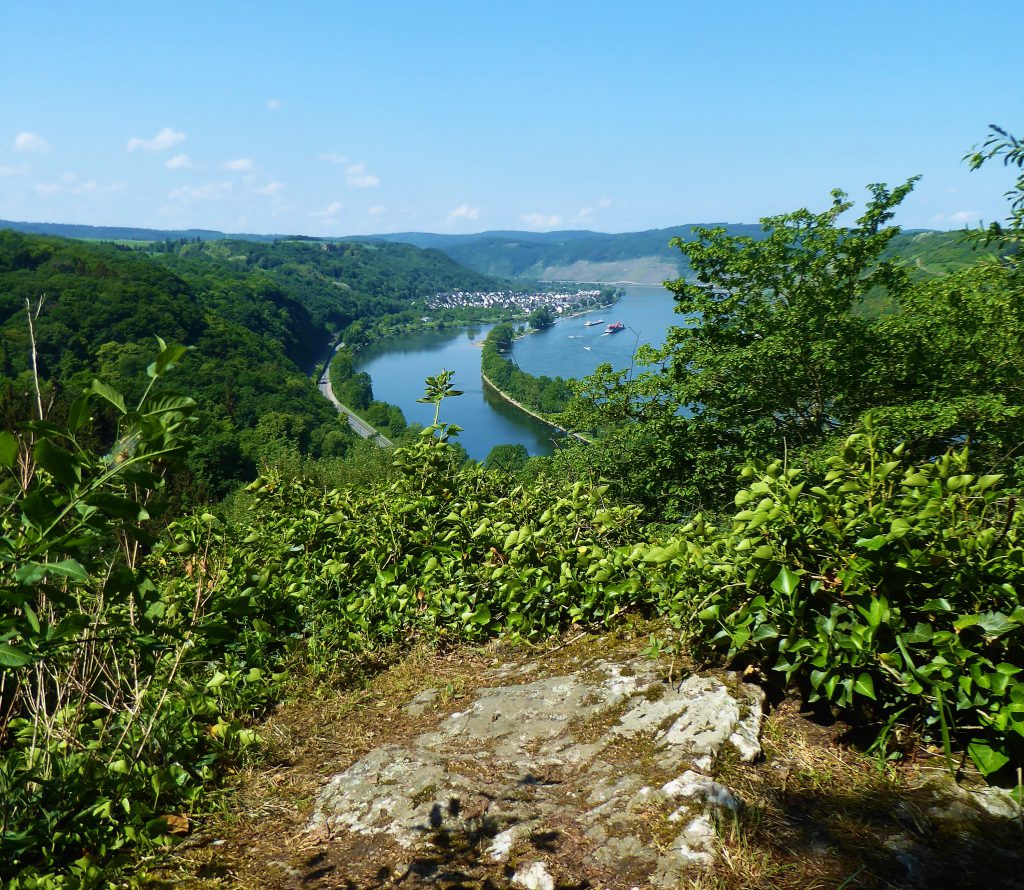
399	365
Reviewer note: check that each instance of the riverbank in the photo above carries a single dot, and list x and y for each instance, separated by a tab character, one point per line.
521	407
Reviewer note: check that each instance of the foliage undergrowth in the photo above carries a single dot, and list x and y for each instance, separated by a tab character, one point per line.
886	588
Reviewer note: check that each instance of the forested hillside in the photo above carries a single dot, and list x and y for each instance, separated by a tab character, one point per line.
256	317
339	282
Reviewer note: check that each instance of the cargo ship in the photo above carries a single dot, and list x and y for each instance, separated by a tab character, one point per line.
590	324
614	328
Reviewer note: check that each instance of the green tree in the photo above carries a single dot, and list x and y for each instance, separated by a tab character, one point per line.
541	317
510	458
774	355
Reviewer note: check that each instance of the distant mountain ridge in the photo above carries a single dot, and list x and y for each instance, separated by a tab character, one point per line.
576	255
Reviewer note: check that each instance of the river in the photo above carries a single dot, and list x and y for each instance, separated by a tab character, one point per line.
399	365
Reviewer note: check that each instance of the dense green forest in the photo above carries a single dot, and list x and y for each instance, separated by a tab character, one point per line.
257	317
826	495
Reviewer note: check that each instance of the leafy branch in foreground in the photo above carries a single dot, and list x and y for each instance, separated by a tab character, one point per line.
1010	148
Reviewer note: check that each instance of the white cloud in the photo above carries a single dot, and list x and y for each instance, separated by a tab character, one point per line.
584	214
965	216
239	164
186	194
541	220
377	210
179	162
8	170
464	211
332	157
32	143
270	189
48	188
604	203
329	211
163	140
274	104
357	177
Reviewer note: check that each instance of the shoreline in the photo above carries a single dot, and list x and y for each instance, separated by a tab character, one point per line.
521	407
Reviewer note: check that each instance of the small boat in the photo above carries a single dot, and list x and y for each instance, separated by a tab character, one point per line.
614	328
587	348
590	324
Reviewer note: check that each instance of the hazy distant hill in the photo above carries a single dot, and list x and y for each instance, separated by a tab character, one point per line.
643	257
124	233
572	255
637	257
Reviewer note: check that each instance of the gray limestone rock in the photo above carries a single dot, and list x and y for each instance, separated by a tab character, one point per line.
584	764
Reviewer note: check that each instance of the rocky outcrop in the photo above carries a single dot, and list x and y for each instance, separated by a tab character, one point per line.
601	775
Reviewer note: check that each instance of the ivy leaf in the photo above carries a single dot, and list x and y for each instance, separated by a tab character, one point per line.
482	615
786	581
986	758
865	685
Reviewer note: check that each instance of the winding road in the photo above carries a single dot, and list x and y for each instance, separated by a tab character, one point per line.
361	427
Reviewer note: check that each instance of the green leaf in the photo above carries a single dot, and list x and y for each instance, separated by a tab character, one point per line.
57	462
167	359
865	685
79	413
8	449
986	758
34	572
482	615
786	581
13	658
217	680
109	394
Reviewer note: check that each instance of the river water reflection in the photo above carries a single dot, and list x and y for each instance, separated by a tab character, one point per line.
399	365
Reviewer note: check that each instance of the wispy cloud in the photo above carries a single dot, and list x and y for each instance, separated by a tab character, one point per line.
357	177
329	211
30	142
332	157
187	194
604	203
541	220
10	170
965	216
162	141
238	164
45	189
270	189
464	211
377	210
274	104
585	213
179	162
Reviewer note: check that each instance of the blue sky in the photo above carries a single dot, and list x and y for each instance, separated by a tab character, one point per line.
336	118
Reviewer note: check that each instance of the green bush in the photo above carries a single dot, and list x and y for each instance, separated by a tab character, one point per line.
891	590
